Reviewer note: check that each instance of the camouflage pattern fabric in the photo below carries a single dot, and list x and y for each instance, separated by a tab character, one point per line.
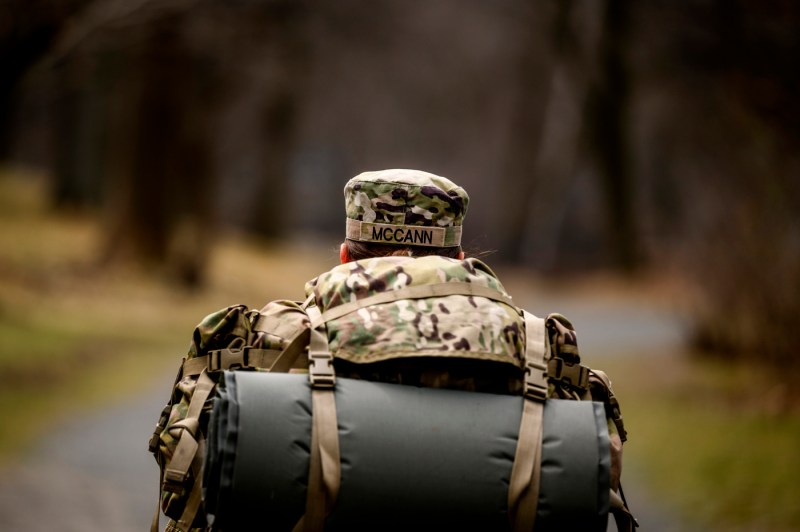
225	328
451	326
405	198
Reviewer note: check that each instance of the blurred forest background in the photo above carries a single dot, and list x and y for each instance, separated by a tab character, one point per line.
601	134
593	136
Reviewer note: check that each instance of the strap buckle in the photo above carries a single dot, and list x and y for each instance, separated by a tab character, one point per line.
535	381
223	359
153	444
320	369
175	481
575	375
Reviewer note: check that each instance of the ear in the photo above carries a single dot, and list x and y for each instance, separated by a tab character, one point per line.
460	255
344	254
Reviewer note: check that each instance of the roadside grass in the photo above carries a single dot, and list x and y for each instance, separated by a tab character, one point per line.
74	335
720	442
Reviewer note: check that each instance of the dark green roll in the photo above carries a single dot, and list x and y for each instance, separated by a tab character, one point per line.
411	458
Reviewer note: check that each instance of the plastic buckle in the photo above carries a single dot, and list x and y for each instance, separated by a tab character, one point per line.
320	369
535	381
223	359
153	444
574	375
174	481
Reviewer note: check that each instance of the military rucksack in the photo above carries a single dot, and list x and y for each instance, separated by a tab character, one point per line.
276	339
228	339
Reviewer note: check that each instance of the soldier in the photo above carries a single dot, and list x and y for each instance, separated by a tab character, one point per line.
403	236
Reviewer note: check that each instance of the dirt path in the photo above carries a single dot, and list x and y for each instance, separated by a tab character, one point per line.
93	473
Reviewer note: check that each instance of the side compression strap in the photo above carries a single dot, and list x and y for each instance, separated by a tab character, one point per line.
196	494
189	451
622	515
222	359
455	288
177	471
324	476
523	488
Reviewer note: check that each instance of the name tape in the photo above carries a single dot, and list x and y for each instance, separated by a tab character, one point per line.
409	235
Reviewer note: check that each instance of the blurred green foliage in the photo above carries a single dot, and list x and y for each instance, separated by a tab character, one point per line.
717	441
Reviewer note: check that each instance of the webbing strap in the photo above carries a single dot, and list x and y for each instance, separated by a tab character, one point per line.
455	288
291	353
222	359
325	405
196	494
622	515
523	488
178	470
324	477
195	366
154	522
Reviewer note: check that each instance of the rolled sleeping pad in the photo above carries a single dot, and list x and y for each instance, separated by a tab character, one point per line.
411	458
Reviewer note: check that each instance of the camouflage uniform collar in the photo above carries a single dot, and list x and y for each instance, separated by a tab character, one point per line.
411	270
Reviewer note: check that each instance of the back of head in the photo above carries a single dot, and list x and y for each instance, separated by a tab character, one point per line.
405	212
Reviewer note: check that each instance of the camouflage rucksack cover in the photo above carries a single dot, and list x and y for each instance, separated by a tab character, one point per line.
430	338
226	339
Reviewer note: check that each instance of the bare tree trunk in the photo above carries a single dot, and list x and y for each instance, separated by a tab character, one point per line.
607	136
546	153
536	67
79	121
288	52
162	157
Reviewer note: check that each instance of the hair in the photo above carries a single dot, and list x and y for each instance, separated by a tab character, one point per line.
367	250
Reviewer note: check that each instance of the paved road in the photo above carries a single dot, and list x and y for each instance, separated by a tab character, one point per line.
93	473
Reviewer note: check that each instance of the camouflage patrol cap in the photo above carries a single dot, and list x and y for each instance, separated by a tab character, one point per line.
405	207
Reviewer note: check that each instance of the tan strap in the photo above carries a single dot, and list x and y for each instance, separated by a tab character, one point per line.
325	420
154	522
304	305
195	366
622	515
523	488
153	447
536	349
324	466
455	288
177	472
296	350
196	494
314	518
222	359
324	477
